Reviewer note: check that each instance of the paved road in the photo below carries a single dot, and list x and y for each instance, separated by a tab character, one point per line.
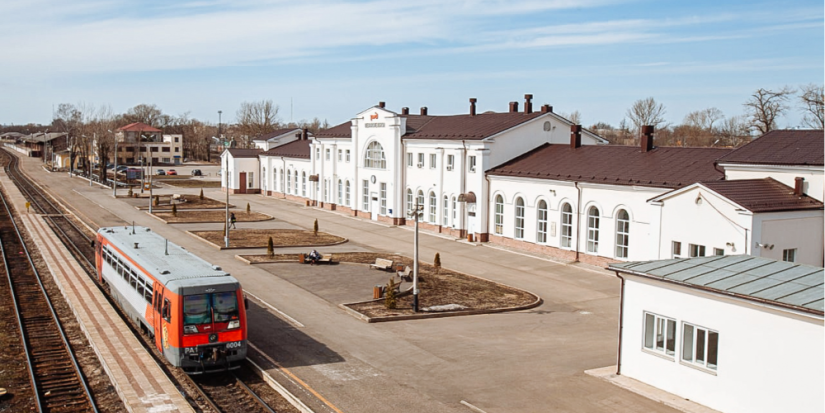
529	361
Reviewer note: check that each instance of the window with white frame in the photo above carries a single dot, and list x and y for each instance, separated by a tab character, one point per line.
419	202
593	230
622	233
471	164
676	249
409	200
519	223
432	160
340	155
700	346
499	215
365	195
445	214
383	198
326	190
450	162
274	179
327	157
409	159
318	153
296	183
340	191
660	334
455	212
696	250
718	251
789	255
288	180
346	155
566	226
374	158
251	182
541	222
303	184
347	193
433	208
263	178
420	160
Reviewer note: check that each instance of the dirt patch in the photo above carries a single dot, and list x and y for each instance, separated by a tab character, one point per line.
210	216
186	202
437	288
189	183
258	238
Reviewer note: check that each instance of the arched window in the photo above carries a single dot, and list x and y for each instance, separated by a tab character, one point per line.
445	218
541	222
303	184
374	158
519	218
340	191
420	200
288	180
593	230
454	212
566	226
622	233
347	192
274	179
409	200
499	228
296	183
263	179
433	207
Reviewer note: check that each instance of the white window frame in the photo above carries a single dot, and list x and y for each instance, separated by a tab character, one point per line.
541	222
303	184
326	190
450	162
471	163
340	155
567	225
409	200
622	234
695	250
718	252
365	196
340	191
696	340
499	215
455	211
420	200
347	193
288	180
374	156
519	219
676	249
789	255
409	159
274	179
383	197
433	207
445	218
296	183
420	160
659	333
433	160
251	181
346	155
327	156
318	153
593	229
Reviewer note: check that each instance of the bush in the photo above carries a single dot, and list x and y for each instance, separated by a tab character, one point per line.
201	195
270	248
247	208
315	228
174	210
391	299
437	262
130	192
156	201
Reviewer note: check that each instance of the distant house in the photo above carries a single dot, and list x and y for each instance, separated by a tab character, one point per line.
739	334
138	142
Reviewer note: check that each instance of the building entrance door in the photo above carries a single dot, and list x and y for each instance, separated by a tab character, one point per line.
242	183
374	206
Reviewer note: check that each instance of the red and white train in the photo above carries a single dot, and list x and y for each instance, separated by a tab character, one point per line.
195	311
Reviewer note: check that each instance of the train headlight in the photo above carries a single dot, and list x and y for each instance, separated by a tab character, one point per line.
190	329
233	324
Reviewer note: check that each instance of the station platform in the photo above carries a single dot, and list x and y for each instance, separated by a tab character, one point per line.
140	383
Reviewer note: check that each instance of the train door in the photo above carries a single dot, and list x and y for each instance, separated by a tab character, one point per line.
157	319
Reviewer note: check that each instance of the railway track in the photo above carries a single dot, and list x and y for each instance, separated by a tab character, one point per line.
218	393
56	379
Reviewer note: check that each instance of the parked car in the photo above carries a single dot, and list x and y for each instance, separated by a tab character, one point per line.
161	172
197	172
171	172
121	168
110	166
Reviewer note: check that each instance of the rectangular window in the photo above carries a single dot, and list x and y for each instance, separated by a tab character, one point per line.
251	179
340	155
676	249
718	251
700	346
471	164
567	227
327	154
317	153
541	226
177	139
409	159
420	160
365	195
383	198
326	190
346	155
445	217
696	250
660	334
789	255
432	160
450	162
177	149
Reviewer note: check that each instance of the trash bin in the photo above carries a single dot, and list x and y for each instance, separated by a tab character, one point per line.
301	259
377	291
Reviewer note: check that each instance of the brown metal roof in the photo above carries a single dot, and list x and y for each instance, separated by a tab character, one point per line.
294	149
343	130
665	167
276	133
782	147
244	153
138	127
461	127
762	195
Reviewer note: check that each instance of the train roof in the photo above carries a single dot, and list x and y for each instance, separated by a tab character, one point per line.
178	265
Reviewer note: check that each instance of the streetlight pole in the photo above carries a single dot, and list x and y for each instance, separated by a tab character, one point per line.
114	170
417	213
151	198
91	144
226	178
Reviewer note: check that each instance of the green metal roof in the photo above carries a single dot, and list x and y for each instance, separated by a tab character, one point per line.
784	284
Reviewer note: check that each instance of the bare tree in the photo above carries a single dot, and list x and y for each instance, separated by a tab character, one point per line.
812	100
646	112
734	131
144	113
704	119
256	118
575	117
765	106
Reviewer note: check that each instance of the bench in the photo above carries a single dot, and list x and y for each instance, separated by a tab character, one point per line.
324	260
382	264
405	275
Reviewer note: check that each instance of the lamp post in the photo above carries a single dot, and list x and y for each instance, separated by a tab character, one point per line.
151	198
416	212
226	178
91	145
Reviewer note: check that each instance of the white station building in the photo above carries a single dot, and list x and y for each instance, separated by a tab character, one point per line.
534	180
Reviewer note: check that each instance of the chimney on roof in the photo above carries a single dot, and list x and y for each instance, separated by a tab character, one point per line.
513	107
575	136
546	109
304	134
473	106
423	111
528	105
381	105
405	110
799	184
647	138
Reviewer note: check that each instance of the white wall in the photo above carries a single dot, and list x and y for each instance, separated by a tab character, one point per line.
801	230
814	185
769	360
236	166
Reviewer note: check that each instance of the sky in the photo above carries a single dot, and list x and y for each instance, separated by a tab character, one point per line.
334	59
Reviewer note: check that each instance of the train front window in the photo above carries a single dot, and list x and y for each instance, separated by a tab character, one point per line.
196	309
225	305
206	308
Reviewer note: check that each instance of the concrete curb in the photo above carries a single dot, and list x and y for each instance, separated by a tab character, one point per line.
271	218
286	394
282	246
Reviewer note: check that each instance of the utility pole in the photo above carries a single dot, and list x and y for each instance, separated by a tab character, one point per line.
151	198
114	170
226	179
91	145
417	211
